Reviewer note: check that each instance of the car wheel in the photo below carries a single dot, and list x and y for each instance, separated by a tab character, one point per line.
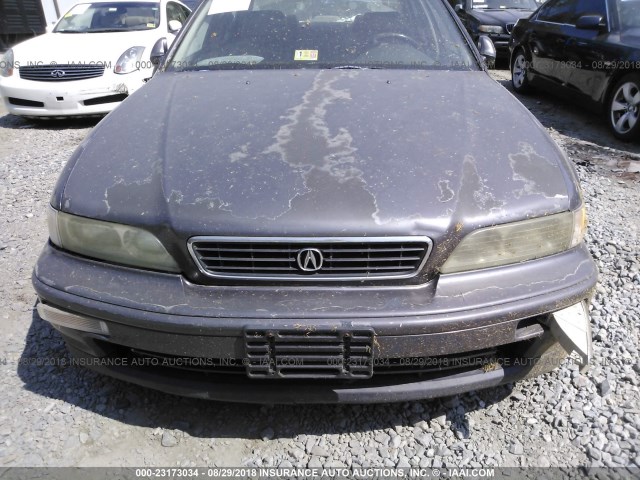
519	78
624	108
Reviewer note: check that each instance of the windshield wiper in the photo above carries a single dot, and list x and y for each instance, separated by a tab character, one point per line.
70	31
104	30
355	67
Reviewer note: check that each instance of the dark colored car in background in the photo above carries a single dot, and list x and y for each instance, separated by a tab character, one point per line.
287	213
585	50
493	18
192	4
19	21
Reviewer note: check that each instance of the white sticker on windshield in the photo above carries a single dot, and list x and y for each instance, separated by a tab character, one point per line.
78	10
223	6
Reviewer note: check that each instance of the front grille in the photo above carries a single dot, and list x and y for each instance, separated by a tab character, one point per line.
309	354
60	73
310	258
510	27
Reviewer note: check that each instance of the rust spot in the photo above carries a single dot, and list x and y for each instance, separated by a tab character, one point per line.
376	344
491	366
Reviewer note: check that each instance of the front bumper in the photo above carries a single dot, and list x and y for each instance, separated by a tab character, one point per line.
169	316
95	96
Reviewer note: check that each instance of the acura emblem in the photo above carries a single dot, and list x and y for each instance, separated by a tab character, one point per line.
310	259
58	74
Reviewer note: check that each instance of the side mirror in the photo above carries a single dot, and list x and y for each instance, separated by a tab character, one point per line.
590	22
158	52
459	7
487	50
174	26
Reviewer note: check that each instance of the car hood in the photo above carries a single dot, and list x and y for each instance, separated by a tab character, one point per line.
78	48
499	17
323	152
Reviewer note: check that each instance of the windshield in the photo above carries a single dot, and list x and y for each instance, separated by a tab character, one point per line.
244	34
501	4
110	17
629	13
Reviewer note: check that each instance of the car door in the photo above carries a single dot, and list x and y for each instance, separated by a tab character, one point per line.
590	54
547	38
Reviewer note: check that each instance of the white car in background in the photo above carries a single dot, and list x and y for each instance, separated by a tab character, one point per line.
96	55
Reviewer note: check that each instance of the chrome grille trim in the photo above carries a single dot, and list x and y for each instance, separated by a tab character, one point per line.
393	257
42	73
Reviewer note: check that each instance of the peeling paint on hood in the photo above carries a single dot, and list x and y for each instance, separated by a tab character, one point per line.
327	152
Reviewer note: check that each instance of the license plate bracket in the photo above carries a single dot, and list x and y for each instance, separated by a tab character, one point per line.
309	353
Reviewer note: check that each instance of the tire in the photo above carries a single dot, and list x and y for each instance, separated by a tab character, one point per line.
623	108
519	79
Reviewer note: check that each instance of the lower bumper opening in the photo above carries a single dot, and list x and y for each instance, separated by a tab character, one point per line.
234	370
21	102
106	99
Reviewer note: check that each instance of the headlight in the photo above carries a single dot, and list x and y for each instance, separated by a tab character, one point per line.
518	241
109	241
491	29
129	61
6	64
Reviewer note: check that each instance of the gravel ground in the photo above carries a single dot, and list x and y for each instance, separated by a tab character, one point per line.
66	416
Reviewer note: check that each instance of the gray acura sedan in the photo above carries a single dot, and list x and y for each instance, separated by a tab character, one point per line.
319	201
